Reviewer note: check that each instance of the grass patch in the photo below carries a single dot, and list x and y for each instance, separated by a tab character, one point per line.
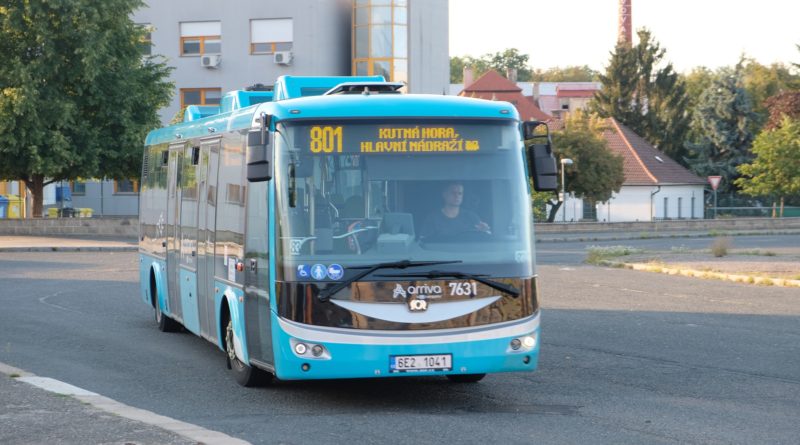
758	252
720	246
598	254
679	249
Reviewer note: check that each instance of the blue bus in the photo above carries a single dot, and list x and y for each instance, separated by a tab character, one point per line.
333	227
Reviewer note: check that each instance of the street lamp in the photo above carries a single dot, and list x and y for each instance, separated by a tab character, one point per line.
564	163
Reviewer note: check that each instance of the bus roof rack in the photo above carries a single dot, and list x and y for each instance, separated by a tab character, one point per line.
366	88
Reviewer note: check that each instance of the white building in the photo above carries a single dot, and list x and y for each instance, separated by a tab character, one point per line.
217	47
655	187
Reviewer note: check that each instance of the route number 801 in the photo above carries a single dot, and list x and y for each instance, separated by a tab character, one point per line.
326	139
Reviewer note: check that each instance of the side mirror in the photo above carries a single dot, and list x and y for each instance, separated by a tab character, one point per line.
259	152
542	164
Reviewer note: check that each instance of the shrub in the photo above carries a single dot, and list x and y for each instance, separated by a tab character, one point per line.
720	246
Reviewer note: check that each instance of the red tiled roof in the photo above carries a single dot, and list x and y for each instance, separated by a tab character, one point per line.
575	93
491	82
644	164
493	86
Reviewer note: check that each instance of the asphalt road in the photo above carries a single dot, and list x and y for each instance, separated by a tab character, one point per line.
627	357
574	252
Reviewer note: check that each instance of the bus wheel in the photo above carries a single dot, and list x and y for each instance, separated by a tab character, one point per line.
166	324
245	375
465	378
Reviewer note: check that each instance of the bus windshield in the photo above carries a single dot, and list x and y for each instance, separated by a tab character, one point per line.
357	192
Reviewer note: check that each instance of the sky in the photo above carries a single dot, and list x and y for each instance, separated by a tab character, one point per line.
709	33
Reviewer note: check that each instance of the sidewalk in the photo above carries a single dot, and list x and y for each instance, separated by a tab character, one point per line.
64	414
14	243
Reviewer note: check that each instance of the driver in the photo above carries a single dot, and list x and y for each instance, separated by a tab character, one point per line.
451	219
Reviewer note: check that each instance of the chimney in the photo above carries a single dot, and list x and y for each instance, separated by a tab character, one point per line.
511	74
468	76
624	34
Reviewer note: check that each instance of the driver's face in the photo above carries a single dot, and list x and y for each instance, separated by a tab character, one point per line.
453	195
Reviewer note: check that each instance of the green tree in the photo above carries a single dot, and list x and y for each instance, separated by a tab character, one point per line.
645	94
762	82
500	61
596	173
76	96
723	118
774	170
567	74
456	69
510	59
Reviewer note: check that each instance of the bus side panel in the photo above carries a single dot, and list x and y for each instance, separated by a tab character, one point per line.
191	317
364	357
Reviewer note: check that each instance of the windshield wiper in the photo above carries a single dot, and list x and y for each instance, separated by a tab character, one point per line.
502	287
326	293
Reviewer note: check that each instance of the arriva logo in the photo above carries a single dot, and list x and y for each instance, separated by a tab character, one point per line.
424	291
399	291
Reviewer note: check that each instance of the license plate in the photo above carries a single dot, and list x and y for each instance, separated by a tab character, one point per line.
419	363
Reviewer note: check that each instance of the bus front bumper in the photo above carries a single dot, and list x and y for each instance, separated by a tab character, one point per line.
351	353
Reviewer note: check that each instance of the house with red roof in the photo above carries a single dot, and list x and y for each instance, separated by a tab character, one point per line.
656	187
493	86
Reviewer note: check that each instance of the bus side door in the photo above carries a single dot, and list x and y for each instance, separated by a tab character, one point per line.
206	236
188	216
173	229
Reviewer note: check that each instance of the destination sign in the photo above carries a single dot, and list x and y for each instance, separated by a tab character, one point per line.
404	139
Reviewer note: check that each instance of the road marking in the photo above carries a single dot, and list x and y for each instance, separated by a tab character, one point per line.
188	430
56	386
633	290
44	301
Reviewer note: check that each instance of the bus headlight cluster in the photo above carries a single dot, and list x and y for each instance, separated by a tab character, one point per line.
310	350
524	343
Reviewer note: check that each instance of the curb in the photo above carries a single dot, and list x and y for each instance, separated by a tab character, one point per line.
184	429
659	236
71	249
736	278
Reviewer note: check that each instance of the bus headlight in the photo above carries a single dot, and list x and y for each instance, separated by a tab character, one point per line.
309	350
522	344
529	341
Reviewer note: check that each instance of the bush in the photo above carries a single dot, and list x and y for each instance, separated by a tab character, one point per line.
720	246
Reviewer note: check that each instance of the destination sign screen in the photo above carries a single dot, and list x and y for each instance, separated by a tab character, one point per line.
390	138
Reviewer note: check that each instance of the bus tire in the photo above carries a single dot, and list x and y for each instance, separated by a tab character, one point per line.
165	324
465	378
244	374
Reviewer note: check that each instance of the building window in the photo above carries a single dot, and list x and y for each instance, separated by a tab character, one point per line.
270	35
666	208
145	43
78	187
589	210
380	39
199	38
692	208
680	211
126	187
200	96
